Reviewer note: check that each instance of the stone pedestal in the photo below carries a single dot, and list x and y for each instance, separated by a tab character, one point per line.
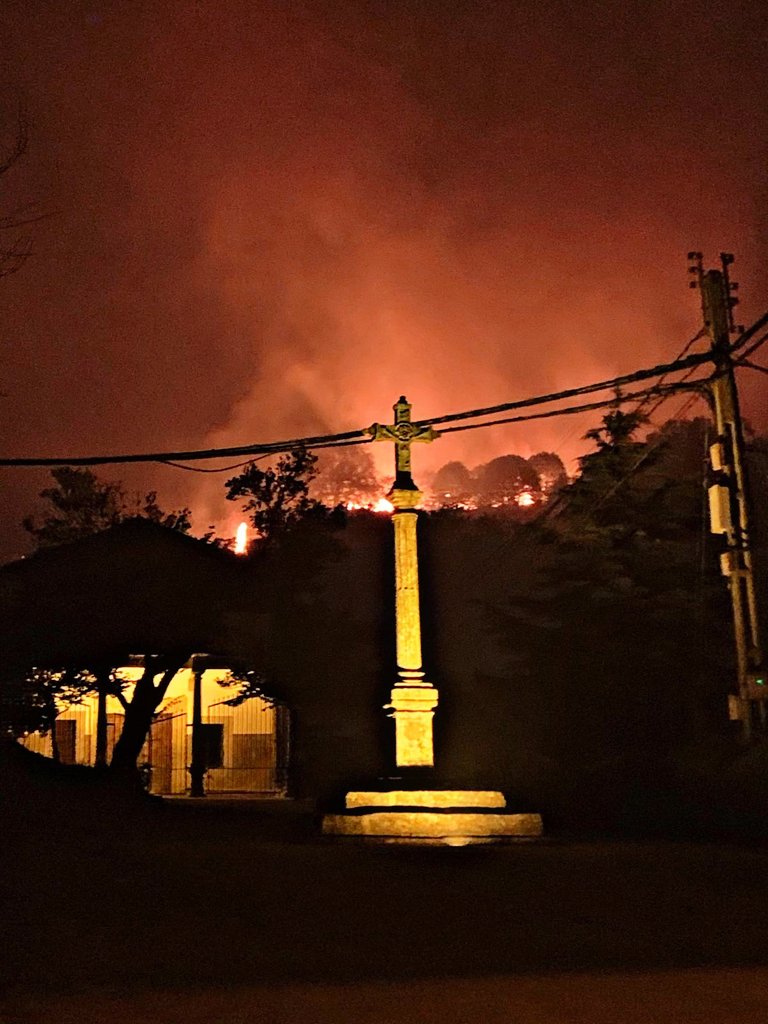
413	708
451	817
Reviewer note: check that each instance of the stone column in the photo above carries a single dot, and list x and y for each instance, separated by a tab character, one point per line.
413	700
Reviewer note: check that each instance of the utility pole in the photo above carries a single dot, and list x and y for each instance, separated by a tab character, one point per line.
198	766
728	491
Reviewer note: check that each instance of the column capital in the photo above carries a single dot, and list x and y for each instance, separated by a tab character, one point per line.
403	500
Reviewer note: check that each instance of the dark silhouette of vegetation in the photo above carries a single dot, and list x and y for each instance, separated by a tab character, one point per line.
81	504
32	702
453	484
346	475
277	498
502	480
551	472
583	660
499	483
135	589
608	491
148	693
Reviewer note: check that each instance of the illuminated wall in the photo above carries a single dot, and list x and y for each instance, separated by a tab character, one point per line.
243	742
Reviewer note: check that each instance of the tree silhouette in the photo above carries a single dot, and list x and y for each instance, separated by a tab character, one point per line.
609	491
80	504
453	484
551	471
277	499
502	480
346	475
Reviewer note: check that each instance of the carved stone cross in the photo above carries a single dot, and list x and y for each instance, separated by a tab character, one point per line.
403	433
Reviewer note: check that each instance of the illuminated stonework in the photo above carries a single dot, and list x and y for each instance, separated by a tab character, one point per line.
407	614
454	817
413	701
412	707
434	798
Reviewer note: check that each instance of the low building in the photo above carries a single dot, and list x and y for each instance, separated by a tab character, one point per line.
136	590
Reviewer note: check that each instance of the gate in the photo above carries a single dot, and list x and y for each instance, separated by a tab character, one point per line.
164	757
247	746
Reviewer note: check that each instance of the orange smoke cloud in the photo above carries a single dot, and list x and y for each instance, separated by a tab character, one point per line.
279	218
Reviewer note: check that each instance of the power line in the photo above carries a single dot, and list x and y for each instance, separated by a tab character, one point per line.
351	437
269	448
649	450
753	366
613	383
700	333
680	412
665	389
259	458
752	348
750	332
220	469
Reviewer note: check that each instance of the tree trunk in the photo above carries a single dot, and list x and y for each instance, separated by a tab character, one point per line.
136	725
139	714
55	752
100	760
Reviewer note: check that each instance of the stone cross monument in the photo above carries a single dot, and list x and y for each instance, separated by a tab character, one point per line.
409	814
413	699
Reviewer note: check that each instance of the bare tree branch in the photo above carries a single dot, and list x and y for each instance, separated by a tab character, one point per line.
19	145
15	253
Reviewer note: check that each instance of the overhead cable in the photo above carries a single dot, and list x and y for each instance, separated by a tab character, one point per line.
662	369
351	437
258	458
268	448
753	366
663	389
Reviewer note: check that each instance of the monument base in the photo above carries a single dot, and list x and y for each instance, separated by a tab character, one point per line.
453	817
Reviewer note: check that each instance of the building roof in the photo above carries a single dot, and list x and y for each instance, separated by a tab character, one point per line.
137	587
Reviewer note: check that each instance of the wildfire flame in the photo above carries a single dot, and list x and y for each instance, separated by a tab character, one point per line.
382	505
241	539
525	500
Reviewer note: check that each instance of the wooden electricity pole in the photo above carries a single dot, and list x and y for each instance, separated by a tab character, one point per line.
728	491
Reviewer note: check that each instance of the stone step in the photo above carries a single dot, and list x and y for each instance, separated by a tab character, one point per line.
432	798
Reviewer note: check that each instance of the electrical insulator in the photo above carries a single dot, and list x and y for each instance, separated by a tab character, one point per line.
720	509
717	457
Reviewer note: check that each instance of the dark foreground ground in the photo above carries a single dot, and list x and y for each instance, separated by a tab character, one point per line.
232	913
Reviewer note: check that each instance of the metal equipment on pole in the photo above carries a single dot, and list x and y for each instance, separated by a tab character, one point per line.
728	490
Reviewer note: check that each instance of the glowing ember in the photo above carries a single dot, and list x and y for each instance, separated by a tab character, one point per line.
241	539
525	500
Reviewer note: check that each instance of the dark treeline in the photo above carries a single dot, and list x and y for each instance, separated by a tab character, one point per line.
583	657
